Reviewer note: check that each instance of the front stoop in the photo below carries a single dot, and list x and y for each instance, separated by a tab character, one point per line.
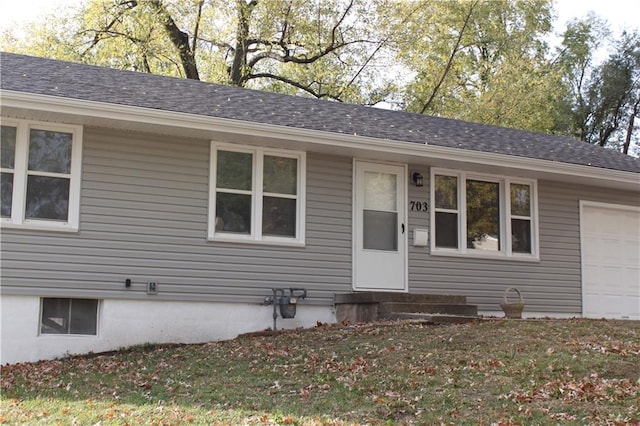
377	305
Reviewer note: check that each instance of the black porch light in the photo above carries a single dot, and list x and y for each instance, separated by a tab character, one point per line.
417	179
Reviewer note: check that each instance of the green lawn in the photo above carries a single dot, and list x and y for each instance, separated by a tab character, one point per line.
490	372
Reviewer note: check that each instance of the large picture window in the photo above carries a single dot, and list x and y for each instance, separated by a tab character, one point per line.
40	175
256	195
482	215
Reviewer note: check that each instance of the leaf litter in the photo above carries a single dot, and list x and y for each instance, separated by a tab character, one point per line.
490	372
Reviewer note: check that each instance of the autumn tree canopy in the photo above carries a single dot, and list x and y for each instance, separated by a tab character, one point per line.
477	60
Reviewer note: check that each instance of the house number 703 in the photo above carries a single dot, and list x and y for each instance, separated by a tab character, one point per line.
419	206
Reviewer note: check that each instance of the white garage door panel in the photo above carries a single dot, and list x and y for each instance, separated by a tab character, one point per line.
610	261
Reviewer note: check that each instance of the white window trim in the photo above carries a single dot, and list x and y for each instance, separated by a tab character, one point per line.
257	194
69	335
17	219
505	216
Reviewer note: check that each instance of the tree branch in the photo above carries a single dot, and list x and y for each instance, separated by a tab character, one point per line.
450	61
96	39
340	21
219	44
375	52
302	59
634	112
104	33
197	28
295	84
287	57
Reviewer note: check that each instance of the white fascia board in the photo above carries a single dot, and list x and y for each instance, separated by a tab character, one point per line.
127	113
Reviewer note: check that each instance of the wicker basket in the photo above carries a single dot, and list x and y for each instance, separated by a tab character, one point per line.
512	310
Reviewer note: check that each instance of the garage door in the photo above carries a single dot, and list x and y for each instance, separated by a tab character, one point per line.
610	238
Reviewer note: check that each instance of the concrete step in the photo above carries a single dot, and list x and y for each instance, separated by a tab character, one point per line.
432	318
384	296
375	305
427	308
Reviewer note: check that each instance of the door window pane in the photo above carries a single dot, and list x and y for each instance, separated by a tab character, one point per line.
447	230
7	147
47	198
483	215
233	213
279	216
446	192
50	151
380	230
520	200
521	236
380	191
234	170
6	198
280	175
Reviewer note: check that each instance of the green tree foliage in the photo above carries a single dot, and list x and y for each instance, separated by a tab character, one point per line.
580	40
615	93
603	99
481	61
315	47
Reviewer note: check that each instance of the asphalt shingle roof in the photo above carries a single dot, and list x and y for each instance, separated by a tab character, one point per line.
85	82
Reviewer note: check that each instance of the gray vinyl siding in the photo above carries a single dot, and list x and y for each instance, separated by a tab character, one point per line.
551	285
144	216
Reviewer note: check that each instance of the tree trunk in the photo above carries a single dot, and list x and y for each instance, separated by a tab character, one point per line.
238	72
180	40
632	117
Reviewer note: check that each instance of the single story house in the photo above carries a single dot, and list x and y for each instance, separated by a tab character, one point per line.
139	208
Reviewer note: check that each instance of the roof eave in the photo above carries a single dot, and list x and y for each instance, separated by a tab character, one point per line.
14	100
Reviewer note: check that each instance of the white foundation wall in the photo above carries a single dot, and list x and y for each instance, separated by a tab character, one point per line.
123	323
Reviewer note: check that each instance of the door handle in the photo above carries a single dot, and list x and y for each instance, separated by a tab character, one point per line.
403	228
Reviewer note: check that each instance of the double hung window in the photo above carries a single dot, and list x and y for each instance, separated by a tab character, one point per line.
483	215
40	175
256	195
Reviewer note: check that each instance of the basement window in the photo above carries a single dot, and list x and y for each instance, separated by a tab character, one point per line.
69	316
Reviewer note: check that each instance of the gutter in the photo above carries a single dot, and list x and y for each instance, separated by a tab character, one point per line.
134	114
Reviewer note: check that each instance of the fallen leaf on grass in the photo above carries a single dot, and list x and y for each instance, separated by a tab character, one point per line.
588	389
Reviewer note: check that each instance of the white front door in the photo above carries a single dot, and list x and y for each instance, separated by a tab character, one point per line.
379	236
